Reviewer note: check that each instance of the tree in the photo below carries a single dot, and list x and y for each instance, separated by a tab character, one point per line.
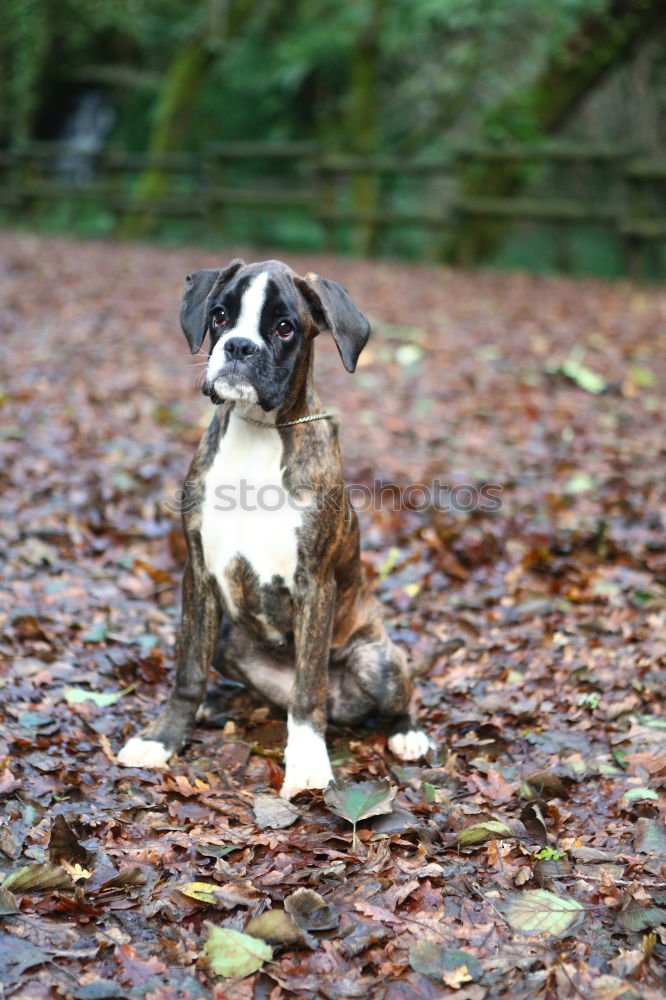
594	49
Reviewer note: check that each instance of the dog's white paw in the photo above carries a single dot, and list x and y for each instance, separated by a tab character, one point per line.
306	760
143	753
410	745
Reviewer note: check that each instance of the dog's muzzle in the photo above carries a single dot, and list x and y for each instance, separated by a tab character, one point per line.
228	383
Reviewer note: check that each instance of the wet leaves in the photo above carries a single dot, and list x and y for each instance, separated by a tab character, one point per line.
538	628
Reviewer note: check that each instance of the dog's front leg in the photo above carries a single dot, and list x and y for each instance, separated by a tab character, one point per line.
306	757
199	627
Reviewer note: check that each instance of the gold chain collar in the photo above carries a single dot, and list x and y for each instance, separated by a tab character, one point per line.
288	423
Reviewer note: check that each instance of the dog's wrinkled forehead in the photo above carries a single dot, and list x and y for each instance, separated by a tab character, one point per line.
257	294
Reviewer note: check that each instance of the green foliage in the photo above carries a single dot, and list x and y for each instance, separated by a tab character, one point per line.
376	77
286	72
550	854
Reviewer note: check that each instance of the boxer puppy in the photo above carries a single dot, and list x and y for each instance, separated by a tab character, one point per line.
274	570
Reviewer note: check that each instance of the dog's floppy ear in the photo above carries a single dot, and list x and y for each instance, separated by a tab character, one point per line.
198	287
334	309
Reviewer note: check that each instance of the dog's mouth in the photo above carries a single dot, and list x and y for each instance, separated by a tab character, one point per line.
229	385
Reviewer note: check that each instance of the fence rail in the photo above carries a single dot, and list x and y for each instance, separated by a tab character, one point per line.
361	203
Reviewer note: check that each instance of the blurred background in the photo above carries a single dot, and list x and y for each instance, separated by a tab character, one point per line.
514	133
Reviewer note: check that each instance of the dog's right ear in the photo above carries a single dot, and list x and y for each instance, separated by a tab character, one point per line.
198	286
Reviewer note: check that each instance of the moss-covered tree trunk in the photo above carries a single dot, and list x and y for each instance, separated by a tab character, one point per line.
362	126
598	46
175	103
177	100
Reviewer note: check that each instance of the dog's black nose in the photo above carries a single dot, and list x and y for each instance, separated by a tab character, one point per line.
240	348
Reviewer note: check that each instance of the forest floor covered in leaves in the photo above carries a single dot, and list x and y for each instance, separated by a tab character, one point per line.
527	858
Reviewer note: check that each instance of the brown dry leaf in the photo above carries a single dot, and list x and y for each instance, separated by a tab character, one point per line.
494	787
276	927
37	878
311	911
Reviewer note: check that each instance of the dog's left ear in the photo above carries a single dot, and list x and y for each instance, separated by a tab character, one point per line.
198	287
334	309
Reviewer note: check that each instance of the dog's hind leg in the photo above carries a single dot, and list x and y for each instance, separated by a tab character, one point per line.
269	673
374	677
172	728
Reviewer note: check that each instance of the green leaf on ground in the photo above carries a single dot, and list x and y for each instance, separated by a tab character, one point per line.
580	482
231	953
99	632
537	911
650	837
203	892
480	832
636	917
641	794
579	373
76	695
355	802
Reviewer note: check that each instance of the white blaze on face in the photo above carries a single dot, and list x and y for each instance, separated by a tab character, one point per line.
306	760
247	327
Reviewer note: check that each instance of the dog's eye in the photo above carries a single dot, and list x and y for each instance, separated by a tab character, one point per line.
218	317
284	330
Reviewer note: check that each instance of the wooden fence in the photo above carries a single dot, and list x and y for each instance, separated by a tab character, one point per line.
349	203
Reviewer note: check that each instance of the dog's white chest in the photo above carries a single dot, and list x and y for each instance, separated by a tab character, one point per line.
247	512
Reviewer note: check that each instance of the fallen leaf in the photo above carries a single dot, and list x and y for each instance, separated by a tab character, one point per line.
64	844
38	878
537	911
271	812
231	953
228	895
134	968
8	903
355	802
76	695
203	892
627	963
635	916
480	832
16	956
577	372
311	911
493	787
450	964
650	837
277	927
